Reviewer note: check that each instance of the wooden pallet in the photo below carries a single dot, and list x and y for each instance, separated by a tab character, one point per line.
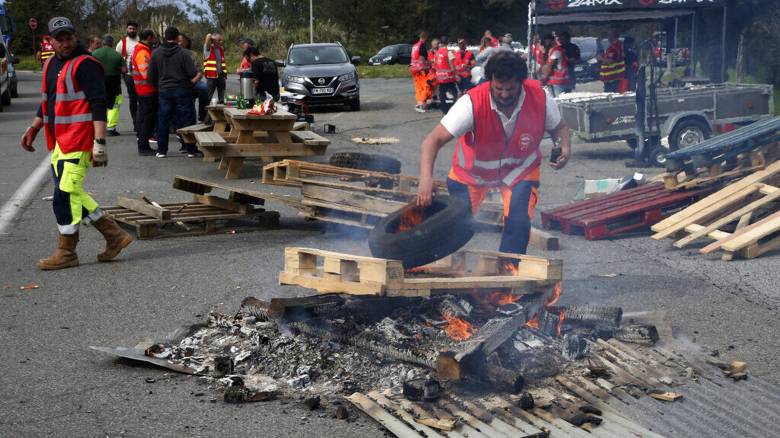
751	203
619	213
717	171
333	272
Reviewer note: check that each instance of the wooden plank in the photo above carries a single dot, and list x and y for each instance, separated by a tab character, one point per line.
234	167
376	412
243	114
716	245
143	208
364	203
216	201
210	139
498	281
198	127
731	217
267	150
309	138
388	404
716	234
746	237
759	176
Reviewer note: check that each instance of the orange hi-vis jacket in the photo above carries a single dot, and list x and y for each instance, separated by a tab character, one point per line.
142	56
614	70
73	128
485	157
441	63
418	63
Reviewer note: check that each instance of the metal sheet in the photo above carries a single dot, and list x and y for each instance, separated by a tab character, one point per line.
138	354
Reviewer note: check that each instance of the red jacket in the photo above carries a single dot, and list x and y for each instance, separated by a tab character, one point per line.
444	73
485	157
464	60
73	128
560	72
613	68
142	56
419	63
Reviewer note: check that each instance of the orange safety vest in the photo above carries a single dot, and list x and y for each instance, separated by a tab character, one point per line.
444	73
142	56
73	128
47	51
614	70
210	63
418	63
485	157
464	60
560	74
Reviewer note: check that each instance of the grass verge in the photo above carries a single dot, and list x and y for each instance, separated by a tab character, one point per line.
27	62
383	71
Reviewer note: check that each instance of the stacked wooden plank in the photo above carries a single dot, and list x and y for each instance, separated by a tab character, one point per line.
621	212
742	219
360	198
333	272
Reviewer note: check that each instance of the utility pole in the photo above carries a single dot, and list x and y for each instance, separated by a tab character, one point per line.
311	21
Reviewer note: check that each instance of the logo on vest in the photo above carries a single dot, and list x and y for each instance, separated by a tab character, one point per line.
525	141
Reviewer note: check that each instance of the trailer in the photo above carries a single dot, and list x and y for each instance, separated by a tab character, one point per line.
686	116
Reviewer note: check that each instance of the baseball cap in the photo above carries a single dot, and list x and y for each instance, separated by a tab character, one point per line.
58	25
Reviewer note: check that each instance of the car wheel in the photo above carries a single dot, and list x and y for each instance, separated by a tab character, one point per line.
688	132
6	97
14	89
446	226
355	105
657	156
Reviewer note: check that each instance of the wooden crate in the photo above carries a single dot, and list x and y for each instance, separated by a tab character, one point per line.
714	172
333	272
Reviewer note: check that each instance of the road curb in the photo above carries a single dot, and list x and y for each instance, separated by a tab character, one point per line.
24	195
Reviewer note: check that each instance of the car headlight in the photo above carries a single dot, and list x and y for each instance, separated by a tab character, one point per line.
296	79
346	77
387	58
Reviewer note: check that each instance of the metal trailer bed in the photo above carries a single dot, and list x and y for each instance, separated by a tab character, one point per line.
686	115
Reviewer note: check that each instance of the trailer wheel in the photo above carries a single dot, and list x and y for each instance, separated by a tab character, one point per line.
688	132
657	156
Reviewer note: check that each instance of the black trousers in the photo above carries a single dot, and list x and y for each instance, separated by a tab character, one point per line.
146	120
133	97
217	84
448	94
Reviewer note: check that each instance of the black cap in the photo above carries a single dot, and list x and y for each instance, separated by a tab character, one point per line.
58	25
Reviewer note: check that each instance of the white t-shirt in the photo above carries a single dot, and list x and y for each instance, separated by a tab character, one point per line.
460	118
129	46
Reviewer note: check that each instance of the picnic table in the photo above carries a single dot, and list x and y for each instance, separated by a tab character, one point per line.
245	135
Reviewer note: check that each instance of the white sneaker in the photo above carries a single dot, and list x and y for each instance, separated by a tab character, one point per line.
160	155
419	109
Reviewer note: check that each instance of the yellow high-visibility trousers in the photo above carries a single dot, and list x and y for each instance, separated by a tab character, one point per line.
71	203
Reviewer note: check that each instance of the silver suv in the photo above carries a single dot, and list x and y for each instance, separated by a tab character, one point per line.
321	74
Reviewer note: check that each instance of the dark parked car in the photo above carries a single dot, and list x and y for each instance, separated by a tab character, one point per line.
7	78
321	74
395	54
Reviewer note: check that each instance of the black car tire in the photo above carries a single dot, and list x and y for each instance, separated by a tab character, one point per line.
657	156
372	162
355	105
14	89
697	126
6	96
446	230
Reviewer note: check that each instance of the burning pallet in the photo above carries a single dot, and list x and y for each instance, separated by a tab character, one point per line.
333	272
751	203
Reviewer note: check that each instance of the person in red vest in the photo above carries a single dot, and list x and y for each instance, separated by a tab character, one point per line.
493	40
557	71
613	64
47	51
147	91
419	67
73	116
214	67
446	75
499	125
432	84
464	62
125	47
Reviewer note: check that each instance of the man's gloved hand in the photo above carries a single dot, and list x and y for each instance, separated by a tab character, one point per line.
99	153
28	138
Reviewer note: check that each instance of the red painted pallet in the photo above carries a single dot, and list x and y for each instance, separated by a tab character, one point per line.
621	212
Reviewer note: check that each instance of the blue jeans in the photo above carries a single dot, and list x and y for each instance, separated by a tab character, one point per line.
174	103
201	92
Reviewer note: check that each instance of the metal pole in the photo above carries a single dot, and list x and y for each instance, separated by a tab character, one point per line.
693	44
529	61
311	21
723	46
676	28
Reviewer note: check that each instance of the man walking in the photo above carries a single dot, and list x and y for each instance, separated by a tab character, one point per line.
73	116
464	62
557	71
125	48
147	91
419	68
446	77
214	67
113	69
173	73
572	52
499	125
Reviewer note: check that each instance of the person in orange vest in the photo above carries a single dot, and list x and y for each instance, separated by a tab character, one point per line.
47	50
432	84
214	67
557	68
147	91
125	47
419	68
464	62
613	64
446	76
246	63
73	116
499	125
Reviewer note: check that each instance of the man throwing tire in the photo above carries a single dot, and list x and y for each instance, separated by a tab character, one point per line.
73	116
499	125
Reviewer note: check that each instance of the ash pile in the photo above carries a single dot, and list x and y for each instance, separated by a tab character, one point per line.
335	345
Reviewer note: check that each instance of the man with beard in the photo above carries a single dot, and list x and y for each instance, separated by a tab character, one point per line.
125	48
499	125
73	116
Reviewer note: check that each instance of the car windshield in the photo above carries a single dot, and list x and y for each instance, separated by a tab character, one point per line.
317	55
387	50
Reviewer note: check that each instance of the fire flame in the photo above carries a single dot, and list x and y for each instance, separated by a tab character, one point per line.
508	267
499	298
458	329
533	322
410	218
554	297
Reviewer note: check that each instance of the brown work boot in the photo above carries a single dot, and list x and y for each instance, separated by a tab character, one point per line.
116	238
64	256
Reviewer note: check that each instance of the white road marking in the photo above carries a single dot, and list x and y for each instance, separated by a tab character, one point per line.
24	194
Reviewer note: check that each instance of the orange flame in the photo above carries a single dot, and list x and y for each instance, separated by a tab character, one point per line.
508	267
533	322
410	218
561	317
556	295
458	329
499	298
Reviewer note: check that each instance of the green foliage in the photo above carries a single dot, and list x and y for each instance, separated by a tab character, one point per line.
383	71
27	62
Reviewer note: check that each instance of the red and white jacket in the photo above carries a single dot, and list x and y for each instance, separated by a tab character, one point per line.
559	67
419	63
444	73
464	60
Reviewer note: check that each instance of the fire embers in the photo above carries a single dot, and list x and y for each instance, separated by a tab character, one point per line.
457	328
410	218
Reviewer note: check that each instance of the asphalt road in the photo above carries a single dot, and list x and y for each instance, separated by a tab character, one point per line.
52	384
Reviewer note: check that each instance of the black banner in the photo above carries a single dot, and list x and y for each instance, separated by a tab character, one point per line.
546	7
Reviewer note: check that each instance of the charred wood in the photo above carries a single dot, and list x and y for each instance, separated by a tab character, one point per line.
300	307
589	316
638	334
